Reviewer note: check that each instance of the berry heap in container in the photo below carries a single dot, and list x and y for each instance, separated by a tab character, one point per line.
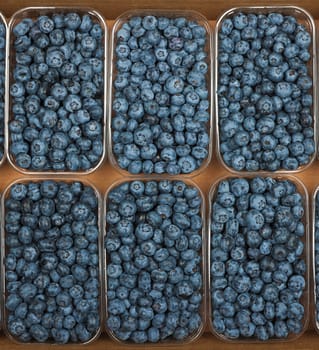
160	94
264	89
316	254
3	32
258	265
57	90
155	278
51	262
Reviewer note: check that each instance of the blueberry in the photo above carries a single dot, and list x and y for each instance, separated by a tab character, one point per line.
62	88
156	272
56	264
158	70
256	280
316	251
266	70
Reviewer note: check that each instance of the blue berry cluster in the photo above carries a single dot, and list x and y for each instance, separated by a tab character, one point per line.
160	99
154	248
52	262
257	266
57	93
265	92
2	83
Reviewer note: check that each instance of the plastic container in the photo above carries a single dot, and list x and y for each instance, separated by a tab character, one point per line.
34	13
305	299
2	98
3	79
169	341
124	18
315	243
4	253
304	18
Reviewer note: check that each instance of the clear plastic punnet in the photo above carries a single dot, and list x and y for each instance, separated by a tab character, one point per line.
193	112
239	154
57	261
247	255
156	336
56	123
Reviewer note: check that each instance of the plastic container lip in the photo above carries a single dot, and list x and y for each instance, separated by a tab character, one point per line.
4	22
33	12
190	15
301	14
3	253
305	300
203	313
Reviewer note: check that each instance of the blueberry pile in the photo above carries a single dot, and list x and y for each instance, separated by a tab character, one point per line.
160	100
57	93
265	92
2	83
154	249
52	262
257	266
